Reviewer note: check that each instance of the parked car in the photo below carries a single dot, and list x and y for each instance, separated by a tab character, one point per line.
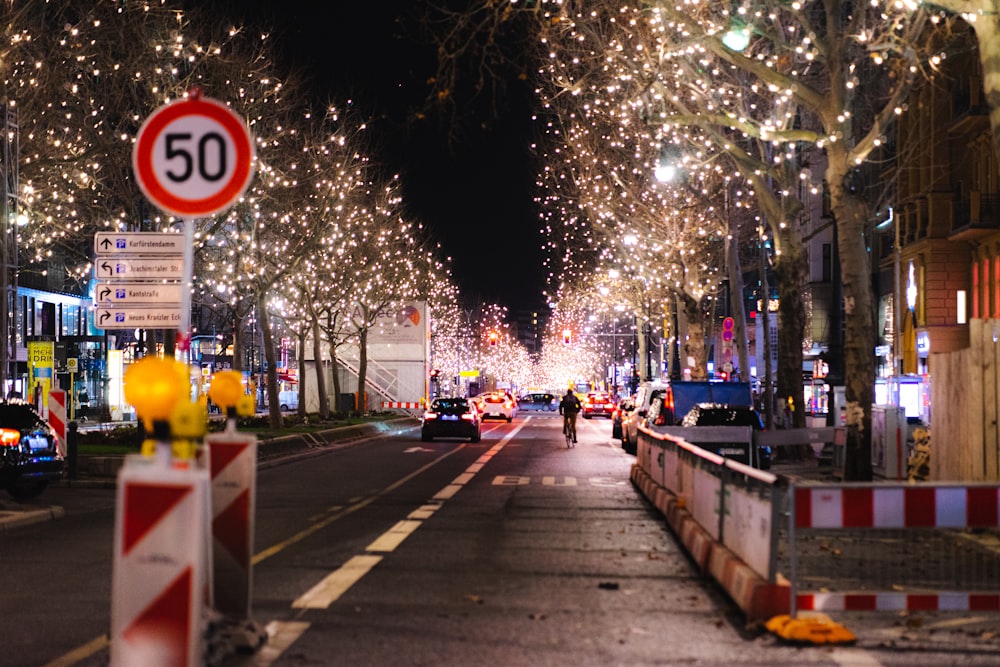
453	417
29	458
499	405
624	407
538	402
644	395
718	414
597	404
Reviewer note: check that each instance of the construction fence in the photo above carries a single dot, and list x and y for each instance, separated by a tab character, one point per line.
779	546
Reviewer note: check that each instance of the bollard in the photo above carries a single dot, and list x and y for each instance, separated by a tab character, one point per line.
233	466
160	573
72	436
232	460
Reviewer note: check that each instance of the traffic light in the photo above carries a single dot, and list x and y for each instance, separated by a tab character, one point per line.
567	336
435	373
493	338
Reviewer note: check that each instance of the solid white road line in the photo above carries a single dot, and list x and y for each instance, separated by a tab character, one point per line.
326	592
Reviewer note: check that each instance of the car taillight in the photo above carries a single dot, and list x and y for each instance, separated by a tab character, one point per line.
430	415
9	437
468	417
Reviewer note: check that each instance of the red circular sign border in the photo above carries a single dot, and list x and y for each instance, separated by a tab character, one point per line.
142	157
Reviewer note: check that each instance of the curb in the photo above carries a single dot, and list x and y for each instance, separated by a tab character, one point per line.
10	520
758	598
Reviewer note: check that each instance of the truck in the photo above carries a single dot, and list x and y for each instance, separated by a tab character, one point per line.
678	398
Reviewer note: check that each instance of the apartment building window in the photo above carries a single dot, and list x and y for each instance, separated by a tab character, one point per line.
46	318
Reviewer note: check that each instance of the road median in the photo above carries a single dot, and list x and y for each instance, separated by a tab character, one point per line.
271	451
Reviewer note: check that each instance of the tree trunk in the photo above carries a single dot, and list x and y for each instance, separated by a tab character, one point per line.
324	399
851	214
738	307
642	349
694	343
273	406
238	347
335	369
791	270
362	367
302	374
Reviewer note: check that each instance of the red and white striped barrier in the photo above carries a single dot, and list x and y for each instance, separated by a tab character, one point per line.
57	417
898	507
890	601
158	586
232	460
397	404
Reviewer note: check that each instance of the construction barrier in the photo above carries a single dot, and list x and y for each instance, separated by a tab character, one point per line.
408	405
233	468
160	574
57	417
883	546
893	547
897	506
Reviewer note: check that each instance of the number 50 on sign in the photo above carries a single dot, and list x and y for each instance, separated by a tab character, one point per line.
193	158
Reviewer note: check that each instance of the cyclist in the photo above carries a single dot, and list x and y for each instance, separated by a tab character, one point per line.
569	406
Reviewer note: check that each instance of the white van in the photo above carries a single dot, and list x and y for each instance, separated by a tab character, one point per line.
288	400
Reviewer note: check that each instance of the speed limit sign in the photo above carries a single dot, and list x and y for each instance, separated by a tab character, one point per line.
193	157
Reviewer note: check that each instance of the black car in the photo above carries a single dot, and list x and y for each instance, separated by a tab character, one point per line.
624	407
451	418
29	458
717	414
538	402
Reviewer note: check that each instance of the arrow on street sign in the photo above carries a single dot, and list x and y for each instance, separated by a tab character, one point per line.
138	243
131	293
139	268
136	318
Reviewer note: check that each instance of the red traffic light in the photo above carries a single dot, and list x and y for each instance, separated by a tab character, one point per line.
493	338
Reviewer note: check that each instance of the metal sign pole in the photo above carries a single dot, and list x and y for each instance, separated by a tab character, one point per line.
185	326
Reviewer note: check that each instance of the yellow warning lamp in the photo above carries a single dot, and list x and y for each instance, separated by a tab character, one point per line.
188	425
154	387
226	389
246	406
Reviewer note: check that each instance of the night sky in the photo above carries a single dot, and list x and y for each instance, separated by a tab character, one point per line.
474	193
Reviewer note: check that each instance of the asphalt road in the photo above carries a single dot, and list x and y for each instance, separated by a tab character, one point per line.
511	551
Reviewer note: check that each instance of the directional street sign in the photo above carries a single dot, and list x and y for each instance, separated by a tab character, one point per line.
140	268
138	243
135	293
136	318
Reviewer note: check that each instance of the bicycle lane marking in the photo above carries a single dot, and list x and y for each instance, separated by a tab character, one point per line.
278	631
338	582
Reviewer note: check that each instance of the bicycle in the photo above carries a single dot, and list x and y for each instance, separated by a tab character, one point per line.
569	430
